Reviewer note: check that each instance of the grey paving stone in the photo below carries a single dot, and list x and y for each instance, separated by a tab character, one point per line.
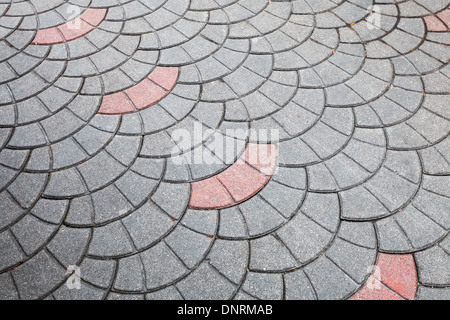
8	291
119	296
360	233
96	178
393	194
151	168
54	99
177	194
32	233
69	245
67	153
109	203
329	281
11	210
232	224
124	149
110	240
420	230
108	123
190	246
433	266
270	254
260	217
65	183
130	275
391	237
298	286
323	209
206	284
12	252
162	266
169	293
230	258
27	187
98	272
201	221
432	200
285	199
30	135
81	211
426	293
38	276
147	225
13	159
305	238
354	260
265	286
87	292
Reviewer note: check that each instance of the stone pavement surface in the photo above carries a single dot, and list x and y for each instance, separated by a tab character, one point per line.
348	197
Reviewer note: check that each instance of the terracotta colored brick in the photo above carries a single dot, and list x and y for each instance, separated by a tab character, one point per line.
116	103
398	272
376	292
165	77
94	16
395	279
145	94
242	181
48	36
434	24
236	184
210	194
445	17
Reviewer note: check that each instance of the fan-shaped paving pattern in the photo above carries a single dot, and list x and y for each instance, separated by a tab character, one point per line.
106	107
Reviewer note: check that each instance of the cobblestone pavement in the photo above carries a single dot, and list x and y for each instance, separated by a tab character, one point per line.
347	197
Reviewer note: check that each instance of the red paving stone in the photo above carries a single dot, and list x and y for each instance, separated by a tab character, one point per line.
445	17
116	103
396	279
71	30
94	16
210	194
238	183
398	272
145	94
48	36
434	24
242	181
165	77
440	22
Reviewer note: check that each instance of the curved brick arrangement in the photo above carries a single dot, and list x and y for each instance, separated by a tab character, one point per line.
241	181
101	128
81	26
148	92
